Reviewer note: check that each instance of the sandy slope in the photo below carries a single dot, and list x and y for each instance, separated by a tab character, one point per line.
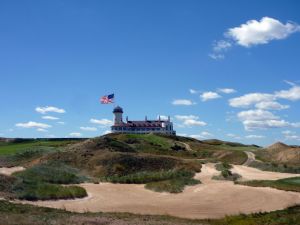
212	199
9	171
249	173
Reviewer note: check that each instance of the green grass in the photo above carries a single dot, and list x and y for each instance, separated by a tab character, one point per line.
288	184
175	185
275	167
33	191
52	172
12	148
226	174
23	214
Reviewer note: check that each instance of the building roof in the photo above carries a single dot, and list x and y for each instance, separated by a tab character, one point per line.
143	123
118	109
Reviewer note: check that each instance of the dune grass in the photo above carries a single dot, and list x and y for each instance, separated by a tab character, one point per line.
288	184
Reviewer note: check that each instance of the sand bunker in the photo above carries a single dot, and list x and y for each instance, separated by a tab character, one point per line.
211	199
9	171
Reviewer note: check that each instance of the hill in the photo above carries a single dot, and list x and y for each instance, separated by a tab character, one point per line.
164	163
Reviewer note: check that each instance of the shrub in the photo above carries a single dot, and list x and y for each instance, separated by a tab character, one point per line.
56	173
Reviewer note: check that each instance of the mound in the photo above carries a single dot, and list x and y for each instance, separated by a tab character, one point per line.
277	146
280	153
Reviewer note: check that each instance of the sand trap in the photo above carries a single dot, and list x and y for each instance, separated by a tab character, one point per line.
249	173
8	171
212	199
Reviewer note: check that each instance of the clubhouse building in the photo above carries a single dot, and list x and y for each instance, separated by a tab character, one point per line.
140	126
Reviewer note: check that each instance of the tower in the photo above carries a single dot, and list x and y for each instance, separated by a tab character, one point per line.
118	115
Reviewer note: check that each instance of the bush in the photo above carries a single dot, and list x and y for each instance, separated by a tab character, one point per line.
45	191
173	185
55	173
146	177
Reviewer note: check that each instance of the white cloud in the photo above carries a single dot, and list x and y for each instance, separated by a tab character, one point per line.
186	117
261	119
61	123
193	91
253	136
190	120
206	96
293	94
163	117
88	128
42	130
271	105
50	118
107	132
32	124
287	132
250	99
219	47
202	135
265	124
183	102
227	90
196	136
292	137
46	109
182	134
256	114
255	32
75	134
103	122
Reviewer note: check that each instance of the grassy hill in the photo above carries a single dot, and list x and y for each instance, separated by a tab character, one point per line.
162	162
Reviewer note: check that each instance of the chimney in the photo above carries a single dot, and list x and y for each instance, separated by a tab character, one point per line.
169	119
146	118
126	119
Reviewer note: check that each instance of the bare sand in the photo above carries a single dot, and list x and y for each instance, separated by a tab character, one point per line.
249	173
8	171
211	199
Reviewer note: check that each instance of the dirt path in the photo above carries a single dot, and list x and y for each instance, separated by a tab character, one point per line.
9	171
211	199
187	146
251	158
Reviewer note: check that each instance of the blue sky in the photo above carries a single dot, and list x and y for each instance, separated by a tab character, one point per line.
241	61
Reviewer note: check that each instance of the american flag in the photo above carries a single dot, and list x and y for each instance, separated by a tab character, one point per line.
106	99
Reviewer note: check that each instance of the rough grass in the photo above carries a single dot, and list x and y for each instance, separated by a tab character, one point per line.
52	172
288	184
22	214
226	174
12	148
275	167
175	184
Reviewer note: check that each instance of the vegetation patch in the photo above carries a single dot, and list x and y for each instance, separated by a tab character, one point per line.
275	167
33	191
52	172
226	173
288	184
173	185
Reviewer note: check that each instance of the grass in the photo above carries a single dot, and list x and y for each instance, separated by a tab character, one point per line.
22	214
33	191
226	174
42	182
172	181
275	167
12	148
52	172
288	184
174	184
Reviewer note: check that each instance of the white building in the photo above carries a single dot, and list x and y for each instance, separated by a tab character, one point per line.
141	126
